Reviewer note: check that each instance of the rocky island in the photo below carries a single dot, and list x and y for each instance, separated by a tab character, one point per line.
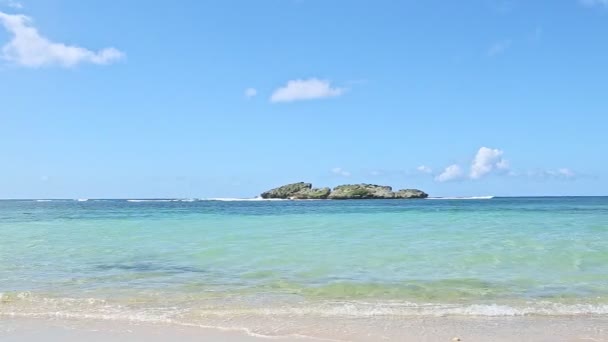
342	192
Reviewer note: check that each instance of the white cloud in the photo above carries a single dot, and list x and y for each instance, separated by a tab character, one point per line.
250	92
487	160
424	169
30	49
340	172
309	89
490	161
498	48
592	3
452	172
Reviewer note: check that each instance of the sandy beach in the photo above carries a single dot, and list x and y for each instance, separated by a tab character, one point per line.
549	329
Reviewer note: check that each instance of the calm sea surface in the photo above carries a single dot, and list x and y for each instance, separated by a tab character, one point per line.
195	261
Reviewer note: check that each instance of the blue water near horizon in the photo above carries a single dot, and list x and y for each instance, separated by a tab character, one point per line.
187	259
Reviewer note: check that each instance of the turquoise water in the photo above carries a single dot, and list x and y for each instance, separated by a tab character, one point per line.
190	260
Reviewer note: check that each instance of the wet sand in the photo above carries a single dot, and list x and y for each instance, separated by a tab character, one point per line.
550	329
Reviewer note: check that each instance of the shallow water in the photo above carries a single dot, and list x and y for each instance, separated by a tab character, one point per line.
202	261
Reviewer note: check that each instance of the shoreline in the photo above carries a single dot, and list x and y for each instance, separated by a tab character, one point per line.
497	329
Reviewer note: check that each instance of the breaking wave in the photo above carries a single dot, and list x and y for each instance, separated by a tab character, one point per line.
26	303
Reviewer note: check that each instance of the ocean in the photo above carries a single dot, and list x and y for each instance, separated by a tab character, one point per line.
271	267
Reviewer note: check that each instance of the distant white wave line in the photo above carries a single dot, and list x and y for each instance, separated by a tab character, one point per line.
162	200
44	200
462	198
82	199
229	199
147	200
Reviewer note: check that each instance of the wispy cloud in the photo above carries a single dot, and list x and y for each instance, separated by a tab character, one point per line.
424	169
29	48
250	92
498	48
592	3
420	171
556	174
309	89
13	4
501	6
340	172
537	34
561	173
451	173
565	172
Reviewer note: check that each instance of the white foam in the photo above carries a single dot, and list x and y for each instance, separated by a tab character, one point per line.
229	199
407	309
44	200
252	320
28	303
164	200
150	200
462	198
82	199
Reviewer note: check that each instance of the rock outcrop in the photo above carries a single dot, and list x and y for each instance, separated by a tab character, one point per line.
297	191
314	193
342	192
411	193
361	191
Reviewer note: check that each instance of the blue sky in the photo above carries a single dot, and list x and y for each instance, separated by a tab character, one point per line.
229	98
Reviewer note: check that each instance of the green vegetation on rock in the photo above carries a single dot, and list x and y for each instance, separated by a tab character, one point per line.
287	191
315	193
411	193
361	191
